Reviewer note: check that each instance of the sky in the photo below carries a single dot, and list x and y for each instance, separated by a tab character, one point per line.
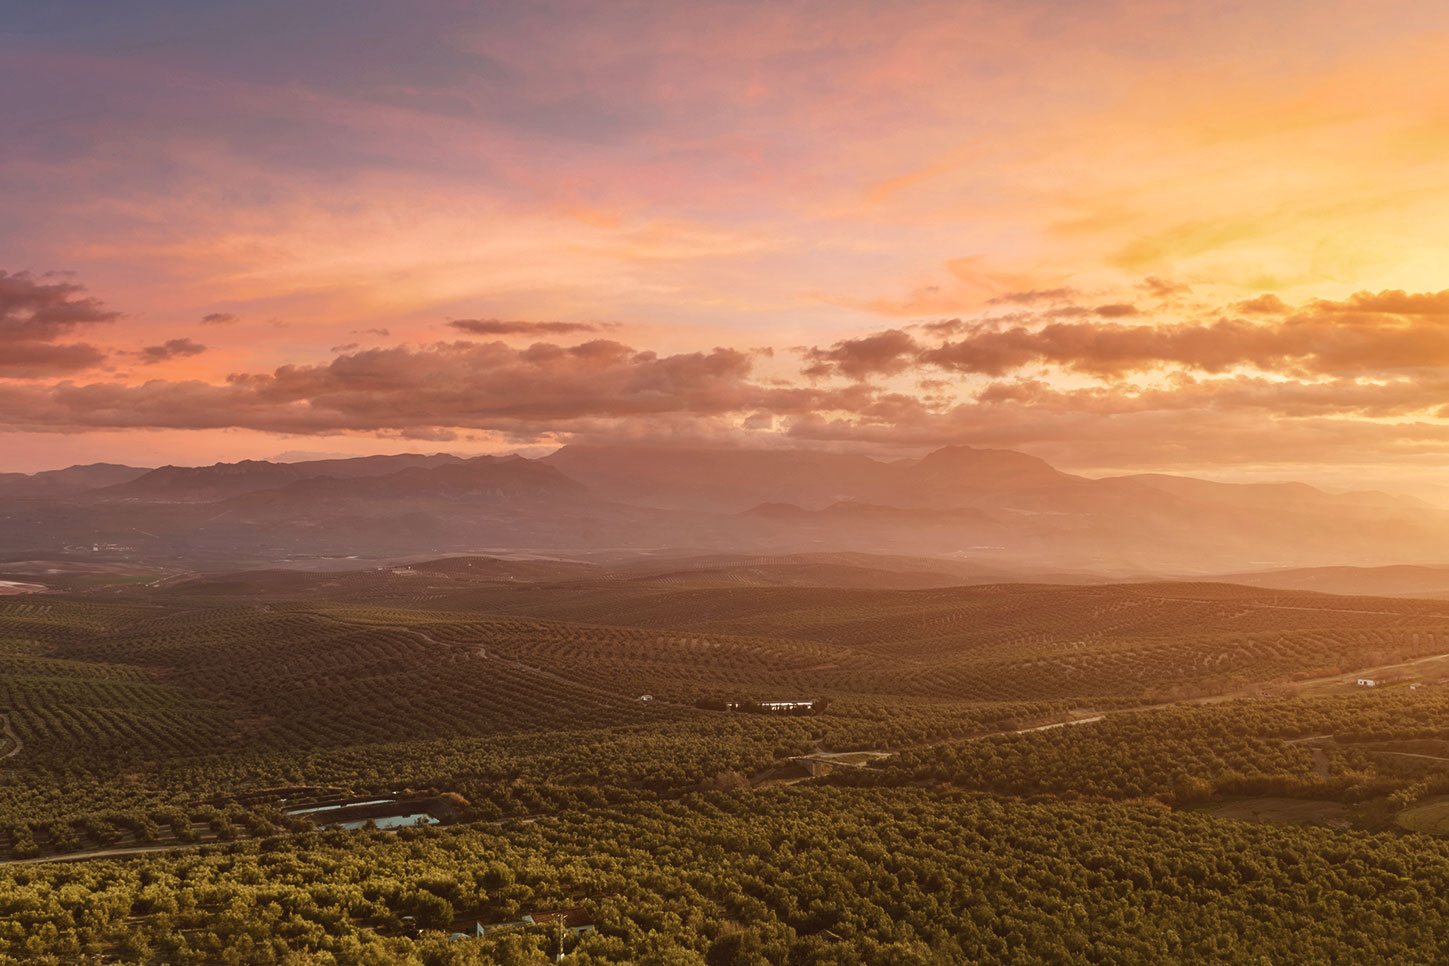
1207	238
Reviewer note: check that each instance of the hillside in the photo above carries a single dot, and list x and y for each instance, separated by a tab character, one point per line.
71	480
1395	581
999	511
526	733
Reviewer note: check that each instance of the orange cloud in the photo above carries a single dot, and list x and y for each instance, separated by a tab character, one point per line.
170	349
499	327
34	314
1365	334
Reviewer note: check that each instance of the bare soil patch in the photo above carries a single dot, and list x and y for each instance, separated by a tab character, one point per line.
1287	811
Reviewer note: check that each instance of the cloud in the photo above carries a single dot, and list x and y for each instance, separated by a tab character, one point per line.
1161	288
1367	334
885	353
1064	433
32	360
527	392
219	318
1394	302
170	349
1265	304
1106	349
35	313
427	433
1240	393
1369	371
1033	296
759	421
942	327
499	327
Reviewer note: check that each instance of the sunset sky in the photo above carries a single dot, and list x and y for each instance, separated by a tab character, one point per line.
1208	238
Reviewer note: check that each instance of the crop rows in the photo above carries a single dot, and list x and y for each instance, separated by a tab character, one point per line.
1186	754
52	622
1087	660
676	665
168	704
280	680
906	623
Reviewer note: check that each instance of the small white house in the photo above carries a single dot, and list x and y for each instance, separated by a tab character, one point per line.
1367	683
787	705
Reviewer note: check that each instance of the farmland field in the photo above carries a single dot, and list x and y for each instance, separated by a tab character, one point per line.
1427	817
188	731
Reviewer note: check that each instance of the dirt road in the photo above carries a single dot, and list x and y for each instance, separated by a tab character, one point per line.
14	738
110	853
1369	672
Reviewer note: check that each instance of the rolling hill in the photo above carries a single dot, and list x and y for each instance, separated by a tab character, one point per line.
998	510
1401	580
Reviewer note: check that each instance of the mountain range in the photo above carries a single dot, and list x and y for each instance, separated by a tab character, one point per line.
1004	510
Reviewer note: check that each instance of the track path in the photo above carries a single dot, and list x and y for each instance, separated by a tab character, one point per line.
111	853
14	738
1377	671
1403	754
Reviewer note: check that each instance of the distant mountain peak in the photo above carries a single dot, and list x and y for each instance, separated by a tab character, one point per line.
984	469
995	507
